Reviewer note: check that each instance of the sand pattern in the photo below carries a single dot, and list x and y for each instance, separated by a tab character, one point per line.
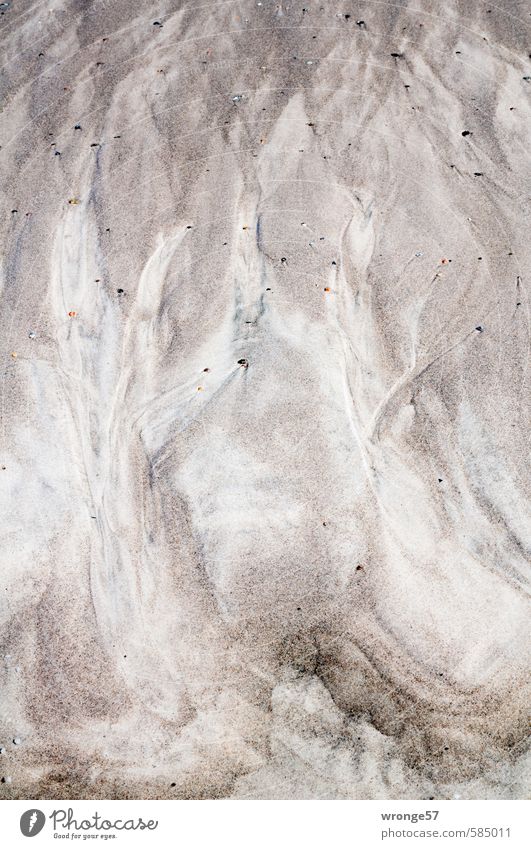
265	399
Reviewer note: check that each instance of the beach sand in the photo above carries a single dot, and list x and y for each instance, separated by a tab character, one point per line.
265	399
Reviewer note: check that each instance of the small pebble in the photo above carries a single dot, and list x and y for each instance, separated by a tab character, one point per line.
32	334
17	741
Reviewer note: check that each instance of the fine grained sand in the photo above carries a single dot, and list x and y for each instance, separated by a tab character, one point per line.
265	493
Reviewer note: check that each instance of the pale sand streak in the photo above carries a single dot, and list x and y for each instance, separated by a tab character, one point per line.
303	575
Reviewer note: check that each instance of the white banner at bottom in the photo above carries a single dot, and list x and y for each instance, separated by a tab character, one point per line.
259	824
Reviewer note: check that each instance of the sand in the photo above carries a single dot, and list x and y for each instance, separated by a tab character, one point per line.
264	443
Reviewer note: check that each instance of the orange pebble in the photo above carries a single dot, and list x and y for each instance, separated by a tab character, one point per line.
327	288
72	313
444	262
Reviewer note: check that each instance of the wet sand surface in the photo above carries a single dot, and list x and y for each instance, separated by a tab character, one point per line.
264	399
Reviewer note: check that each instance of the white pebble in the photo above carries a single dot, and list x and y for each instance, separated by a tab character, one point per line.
17	741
